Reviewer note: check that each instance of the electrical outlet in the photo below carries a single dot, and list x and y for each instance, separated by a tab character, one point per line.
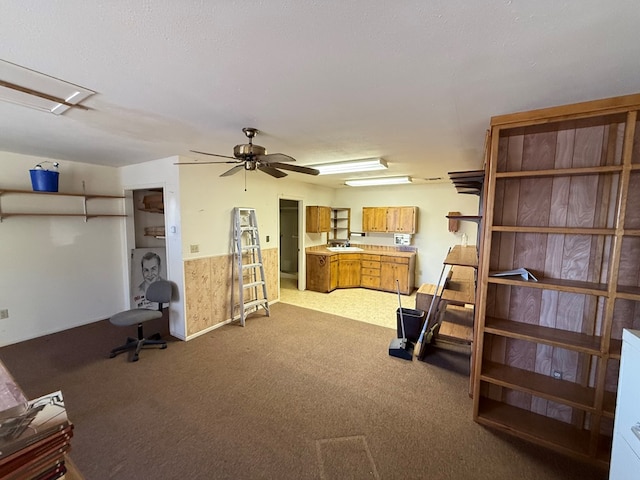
195	248
4	314
557	374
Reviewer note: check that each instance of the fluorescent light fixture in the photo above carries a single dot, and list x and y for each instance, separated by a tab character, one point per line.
369	182
364	165
32	89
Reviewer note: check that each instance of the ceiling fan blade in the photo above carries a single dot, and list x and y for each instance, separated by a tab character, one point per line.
274	157
271	171
295	168
235	169
205	163
215	155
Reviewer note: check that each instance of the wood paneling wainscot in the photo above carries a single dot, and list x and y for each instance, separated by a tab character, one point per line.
208	289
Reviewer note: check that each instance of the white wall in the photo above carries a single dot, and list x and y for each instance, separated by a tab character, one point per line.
434	200
160	173
58	272
207	203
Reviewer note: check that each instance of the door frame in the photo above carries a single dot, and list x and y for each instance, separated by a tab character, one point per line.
302	267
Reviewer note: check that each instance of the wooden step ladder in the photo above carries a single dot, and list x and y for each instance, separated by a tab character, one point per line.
250	285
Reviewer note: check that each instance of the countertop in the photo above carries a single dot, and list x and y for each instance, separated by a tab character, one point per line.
366	249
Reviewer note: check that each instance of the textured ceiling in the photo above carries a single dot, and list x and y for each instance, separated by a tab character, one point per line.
411	81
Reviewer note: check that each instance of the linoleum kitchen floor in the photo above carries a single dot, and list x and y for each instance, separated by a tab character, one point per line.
371	306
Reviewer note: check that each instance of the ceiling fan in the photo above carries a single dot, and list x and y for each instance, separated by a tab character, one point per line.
254	157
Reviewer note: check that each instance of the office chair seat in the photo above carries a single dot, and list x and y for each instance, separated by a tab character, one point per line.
159	291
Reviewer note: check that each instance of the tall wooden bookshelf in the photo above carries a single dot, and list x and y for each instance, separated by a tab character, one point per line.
562	200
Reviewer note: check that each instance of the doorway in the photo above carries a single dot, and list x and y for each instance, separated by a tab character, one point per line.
146	242
289	243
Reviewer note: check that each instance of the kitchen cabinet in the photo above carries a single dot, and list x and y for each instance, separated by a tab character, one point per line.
374	219
318	219
562	200
334	263
348	270
401	219
322	272
370	271
392	269
389	219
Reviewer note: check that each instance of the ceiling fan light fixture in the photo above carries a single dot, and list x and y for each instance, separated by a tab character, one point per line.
351	166
371	182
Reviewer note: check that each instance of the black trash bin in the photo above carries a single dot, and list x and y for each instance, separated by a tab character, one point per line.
413	322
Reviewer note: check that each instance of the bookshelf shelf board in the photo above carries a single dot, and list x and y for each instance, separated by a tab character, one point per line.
544	386
555	337
572	286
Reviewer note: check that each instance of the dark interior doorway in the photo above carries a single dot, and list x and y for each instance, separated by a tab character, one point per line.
289	240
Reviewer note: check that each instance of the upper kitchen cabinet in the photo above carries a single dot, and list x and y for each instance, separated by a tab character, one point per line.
374	219
318	219
389	219
402	219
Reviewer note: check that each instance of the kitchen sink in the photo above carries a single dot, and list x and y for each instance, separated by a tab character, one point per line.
345	249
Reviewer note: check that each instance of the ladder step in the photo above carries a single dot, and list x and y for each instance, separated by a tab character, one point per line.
255	303
252	284
250	247
248	229
251	265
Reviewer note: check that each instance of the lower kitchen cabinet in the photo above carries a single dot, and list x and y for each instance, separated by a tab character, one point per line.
370	271
348	270
322	272
334	273
392	269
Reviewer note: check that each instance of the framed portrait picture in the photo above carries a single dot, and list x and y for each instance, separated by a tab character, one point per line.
147	266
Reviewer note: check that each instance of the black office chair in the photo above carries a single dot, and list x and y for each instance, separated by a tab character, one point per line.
159	291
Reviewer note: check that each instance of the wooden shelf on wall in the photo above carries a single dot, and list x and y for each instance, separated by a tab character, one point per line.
463	256
84	196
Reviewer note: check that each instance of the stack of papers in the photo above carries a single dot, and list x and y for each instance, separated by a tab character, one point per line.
523	272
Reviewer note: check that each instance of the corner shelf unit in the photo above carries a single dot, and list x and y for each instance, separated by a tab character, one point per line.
84	214
340	230
563	200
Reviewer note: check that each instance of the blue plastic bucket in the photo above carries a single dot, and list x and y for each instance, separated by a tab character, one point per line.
44	180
